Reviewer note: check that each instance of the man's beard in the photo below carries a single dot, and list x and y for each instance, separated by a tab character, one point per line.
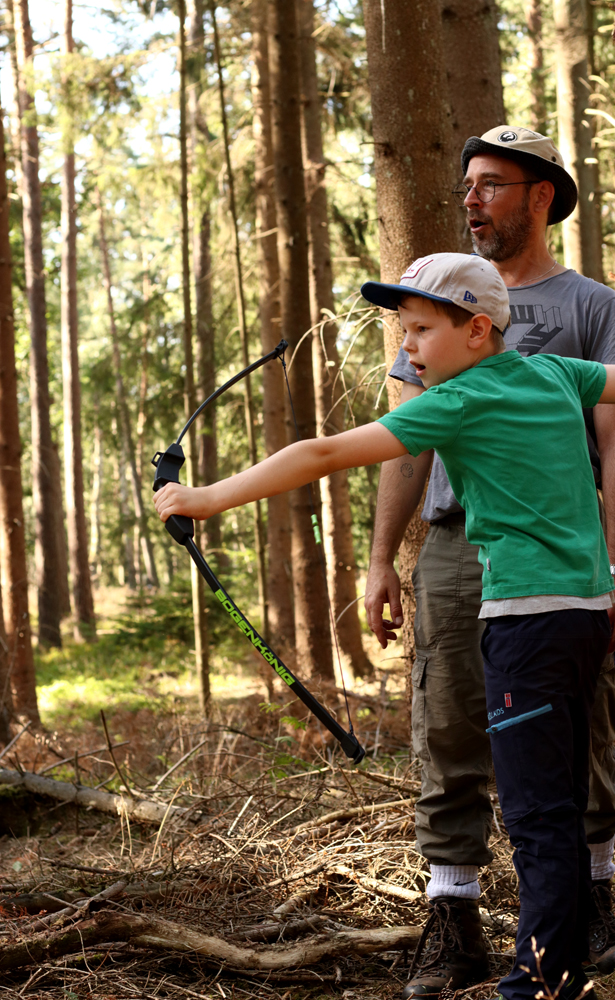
510	240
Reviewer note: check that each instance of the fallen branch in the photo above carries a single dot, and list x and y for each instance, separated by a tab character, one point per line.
167	936
351	813
139	810
375	885
274	931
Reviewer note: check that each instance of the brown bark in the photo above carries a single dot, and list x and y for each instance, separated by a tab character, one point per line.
538	109
313	638
279	586
125	427
44	489
205	344
85	619
249	414
336	513
581	230
413	144
474	83
16	661
201	647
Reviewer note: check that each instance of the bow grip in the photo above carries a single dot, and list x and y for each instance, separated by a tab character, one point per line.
168	464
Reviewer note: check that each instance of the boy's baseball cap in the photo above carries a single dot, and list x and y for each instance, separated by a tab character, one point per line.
533	151
460	279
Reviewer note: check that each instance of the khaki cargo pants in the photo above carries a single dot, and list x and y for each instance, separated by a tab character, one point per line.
449	716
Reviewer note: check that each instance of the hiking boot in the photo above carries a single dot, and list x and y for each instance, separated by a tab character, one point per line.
602	928
452	951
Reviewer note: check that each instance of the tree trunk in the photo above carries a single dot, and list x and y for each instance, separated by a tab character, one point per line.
581	230
475	90
125	427
198	586
538	108
43	487
249	414
96	496
85	619
16	661
129	578
336	513
60	520
279	573
313	636
415	173
207	442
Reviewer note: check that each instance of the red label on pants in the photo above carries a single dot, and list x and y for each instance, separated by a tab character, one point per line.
508	700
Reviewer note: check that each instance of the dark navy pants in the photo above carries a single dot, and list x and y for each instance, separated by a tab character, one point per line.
547	663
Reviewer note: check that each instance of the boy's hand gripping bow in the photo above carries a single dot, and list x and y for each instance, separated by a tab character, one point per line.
181	528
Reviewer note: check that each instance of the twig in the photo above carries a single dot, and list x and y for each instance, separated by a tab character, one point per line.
123	780
178	764
86	753
15	738
351	813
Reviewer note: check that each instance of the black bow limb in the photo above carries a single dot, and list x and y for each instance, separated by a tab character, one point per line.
168	464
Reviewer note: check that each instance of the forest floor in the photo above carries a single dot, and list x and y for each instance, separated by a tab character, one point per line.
283	841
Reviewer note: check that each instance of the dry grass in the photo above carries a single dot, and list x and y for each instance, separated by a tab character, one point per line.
261	771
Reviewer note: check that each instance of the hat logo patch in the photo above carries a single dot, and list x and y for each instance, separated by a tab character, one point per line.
418	265
507	136
468	297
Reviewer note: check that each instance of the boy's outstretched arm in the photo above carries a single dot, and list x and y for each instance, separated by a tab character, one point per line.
294	466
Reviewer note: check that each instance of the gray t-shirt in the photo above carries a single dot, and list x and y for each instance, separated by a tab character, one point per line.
567	314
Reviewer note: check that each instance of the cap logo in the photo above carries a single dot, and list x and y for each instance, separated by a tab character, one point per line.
468	297
507	136
418	265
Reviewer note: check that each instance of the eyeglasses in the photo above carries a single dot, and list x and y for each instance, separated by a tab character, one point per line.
485	190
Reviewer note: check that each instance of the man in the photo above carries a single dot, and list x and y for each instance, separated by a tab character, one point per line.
515	184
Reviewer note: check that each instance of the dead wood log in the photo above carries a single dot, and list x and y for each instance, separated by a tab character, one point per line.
351	813
139	810
167	936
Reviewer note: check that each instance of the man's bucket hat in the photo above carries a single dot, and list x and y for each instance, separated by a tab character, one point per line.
533	151
460	279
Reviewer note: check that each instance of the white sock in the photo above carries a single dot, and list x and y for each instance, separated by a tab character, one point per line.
455	880
602	860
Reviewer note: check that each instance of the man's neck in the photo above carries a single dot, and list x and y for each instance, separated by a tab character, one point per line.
534	264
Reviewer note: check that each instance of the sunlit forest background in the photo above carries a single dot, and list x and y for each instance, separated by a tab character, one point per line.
184	183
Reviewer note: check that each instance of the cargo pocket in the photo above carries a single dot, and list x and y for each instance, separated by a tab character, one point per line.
419	729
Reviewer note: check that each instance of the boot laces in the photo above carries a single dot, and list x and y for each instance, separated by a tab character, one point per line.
444	935
603	926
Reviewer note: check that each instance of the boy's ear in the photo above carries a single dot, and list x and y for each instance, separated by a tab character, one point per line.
480	328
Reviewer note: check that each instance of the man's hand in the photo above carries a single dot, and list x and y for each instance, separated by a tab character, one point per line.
176	499
382	588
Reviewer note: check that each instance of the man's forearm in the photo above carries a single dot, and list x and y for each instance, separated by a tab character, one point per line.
402	481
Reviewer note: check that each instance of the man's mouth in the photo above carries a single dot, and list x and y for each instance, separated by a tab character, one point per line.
419	368
477	224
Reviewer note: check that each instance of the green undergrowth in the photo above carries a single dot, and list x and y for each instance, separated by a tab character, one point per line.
144	658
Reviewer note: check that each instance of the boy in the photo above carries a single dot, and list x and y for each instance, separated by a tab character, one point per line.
546	579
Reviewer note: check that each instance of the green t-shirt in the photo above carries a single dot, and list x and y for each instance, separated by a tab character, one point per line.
511	435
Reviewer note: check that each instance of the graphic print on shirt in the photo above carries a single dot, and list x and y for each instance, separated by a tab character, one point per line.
532	327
